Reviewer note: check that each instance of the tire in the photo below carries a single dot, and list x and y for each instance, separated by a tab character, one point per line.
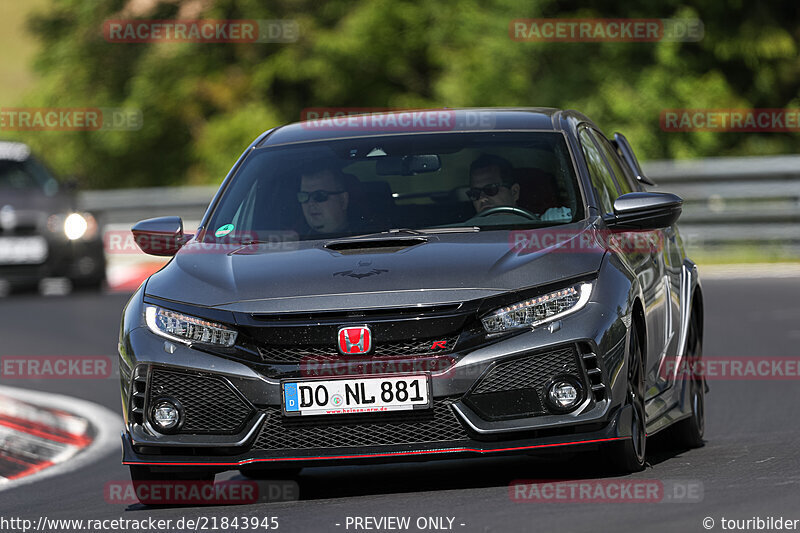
688	433
141	476
261	473
629	455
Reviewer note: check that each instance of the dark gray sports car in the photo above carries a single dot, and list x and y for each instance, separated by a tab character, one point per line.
413	286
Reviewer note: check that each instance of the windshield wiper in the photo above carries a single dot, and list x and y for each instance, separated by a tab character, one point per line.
452	229
417	232
406	231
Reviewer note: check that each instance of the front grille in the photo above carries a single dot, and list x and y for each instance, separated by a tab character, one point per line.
531	372
210	404
295	354
437	425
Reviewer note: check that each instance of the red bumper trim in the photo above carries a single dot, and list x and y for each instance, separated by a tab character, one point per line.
367	456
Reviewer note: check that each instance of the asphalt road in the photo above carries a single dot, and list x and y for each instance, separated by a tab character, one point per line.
749	467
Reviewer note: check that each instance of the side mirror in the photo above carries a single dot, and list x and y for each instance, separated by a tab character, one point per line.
161	236
646	210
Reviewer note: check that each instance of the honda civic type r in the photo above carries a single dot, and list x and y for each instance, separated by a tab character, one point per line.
371	290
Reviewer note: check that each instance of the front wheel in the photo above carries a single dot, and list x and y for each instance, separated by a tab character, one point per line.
629	455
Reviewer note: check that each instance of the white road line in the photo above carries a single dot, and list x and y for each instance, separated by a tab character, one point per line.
107	425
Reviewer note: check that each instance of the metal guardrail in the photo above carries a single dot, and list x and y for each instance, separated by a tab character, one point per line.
728	200
126	206
735	200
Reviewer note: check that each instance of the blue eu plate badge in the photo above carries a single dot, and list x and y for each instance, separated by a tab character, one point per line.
290	397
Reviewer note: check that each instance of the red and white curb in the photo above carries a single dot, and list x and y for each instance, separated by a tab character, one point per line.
126	265
43	434
127	276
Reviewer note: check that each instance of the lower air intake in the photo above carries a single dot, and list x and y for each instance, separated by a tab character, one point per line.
516	388
438	425
210	403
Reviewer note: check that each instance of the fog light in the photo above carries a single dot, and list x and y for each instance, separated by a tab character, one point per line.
166	415
563	394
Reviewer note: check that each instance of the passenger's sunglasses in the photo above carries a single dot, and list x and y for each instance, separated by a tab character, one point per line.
318	196
474	193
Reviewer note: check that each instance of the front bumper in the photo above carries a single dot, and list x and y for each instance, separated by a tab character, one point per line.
80	261
250	428
577	438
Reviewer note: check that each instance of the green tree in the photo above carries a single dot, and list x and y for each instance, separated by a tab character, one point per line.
202	103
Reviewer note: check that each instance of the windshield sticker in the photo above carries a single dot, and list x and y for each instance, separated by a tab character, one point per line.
223	230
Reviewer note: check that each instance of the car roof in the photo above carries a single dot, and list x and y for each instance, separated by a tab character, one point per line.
337	123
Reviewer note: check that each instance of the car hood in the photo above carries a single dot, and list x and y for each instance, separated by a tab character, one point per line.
308	276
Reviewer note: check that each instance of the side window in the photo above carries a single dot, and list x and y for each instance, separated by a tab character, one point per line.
602	180
611	157
243	218
630	174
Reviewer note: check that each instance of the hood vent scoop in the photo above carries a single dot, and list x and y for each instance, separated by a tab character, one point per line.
374	246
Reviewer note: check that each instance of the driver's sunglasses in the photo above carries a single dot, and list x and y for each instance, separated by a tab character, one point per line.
318	196
474	193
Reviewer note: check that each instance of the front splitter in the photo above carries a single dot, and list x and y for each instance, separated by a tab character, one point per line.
616	430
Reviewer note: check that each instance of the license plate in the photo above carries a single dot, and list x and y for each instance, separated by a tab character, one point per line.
22	250
356	396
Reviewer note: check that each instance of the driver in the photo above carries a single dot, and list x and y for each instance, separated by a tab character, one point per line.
491	183
324	198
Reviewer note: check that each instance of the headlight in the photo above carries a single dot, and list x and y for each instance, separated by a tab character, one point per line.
186	329
74	226
538	310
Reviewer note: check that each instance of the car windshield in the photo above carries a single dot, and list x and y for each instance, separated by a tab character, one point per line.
26	175
417	182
